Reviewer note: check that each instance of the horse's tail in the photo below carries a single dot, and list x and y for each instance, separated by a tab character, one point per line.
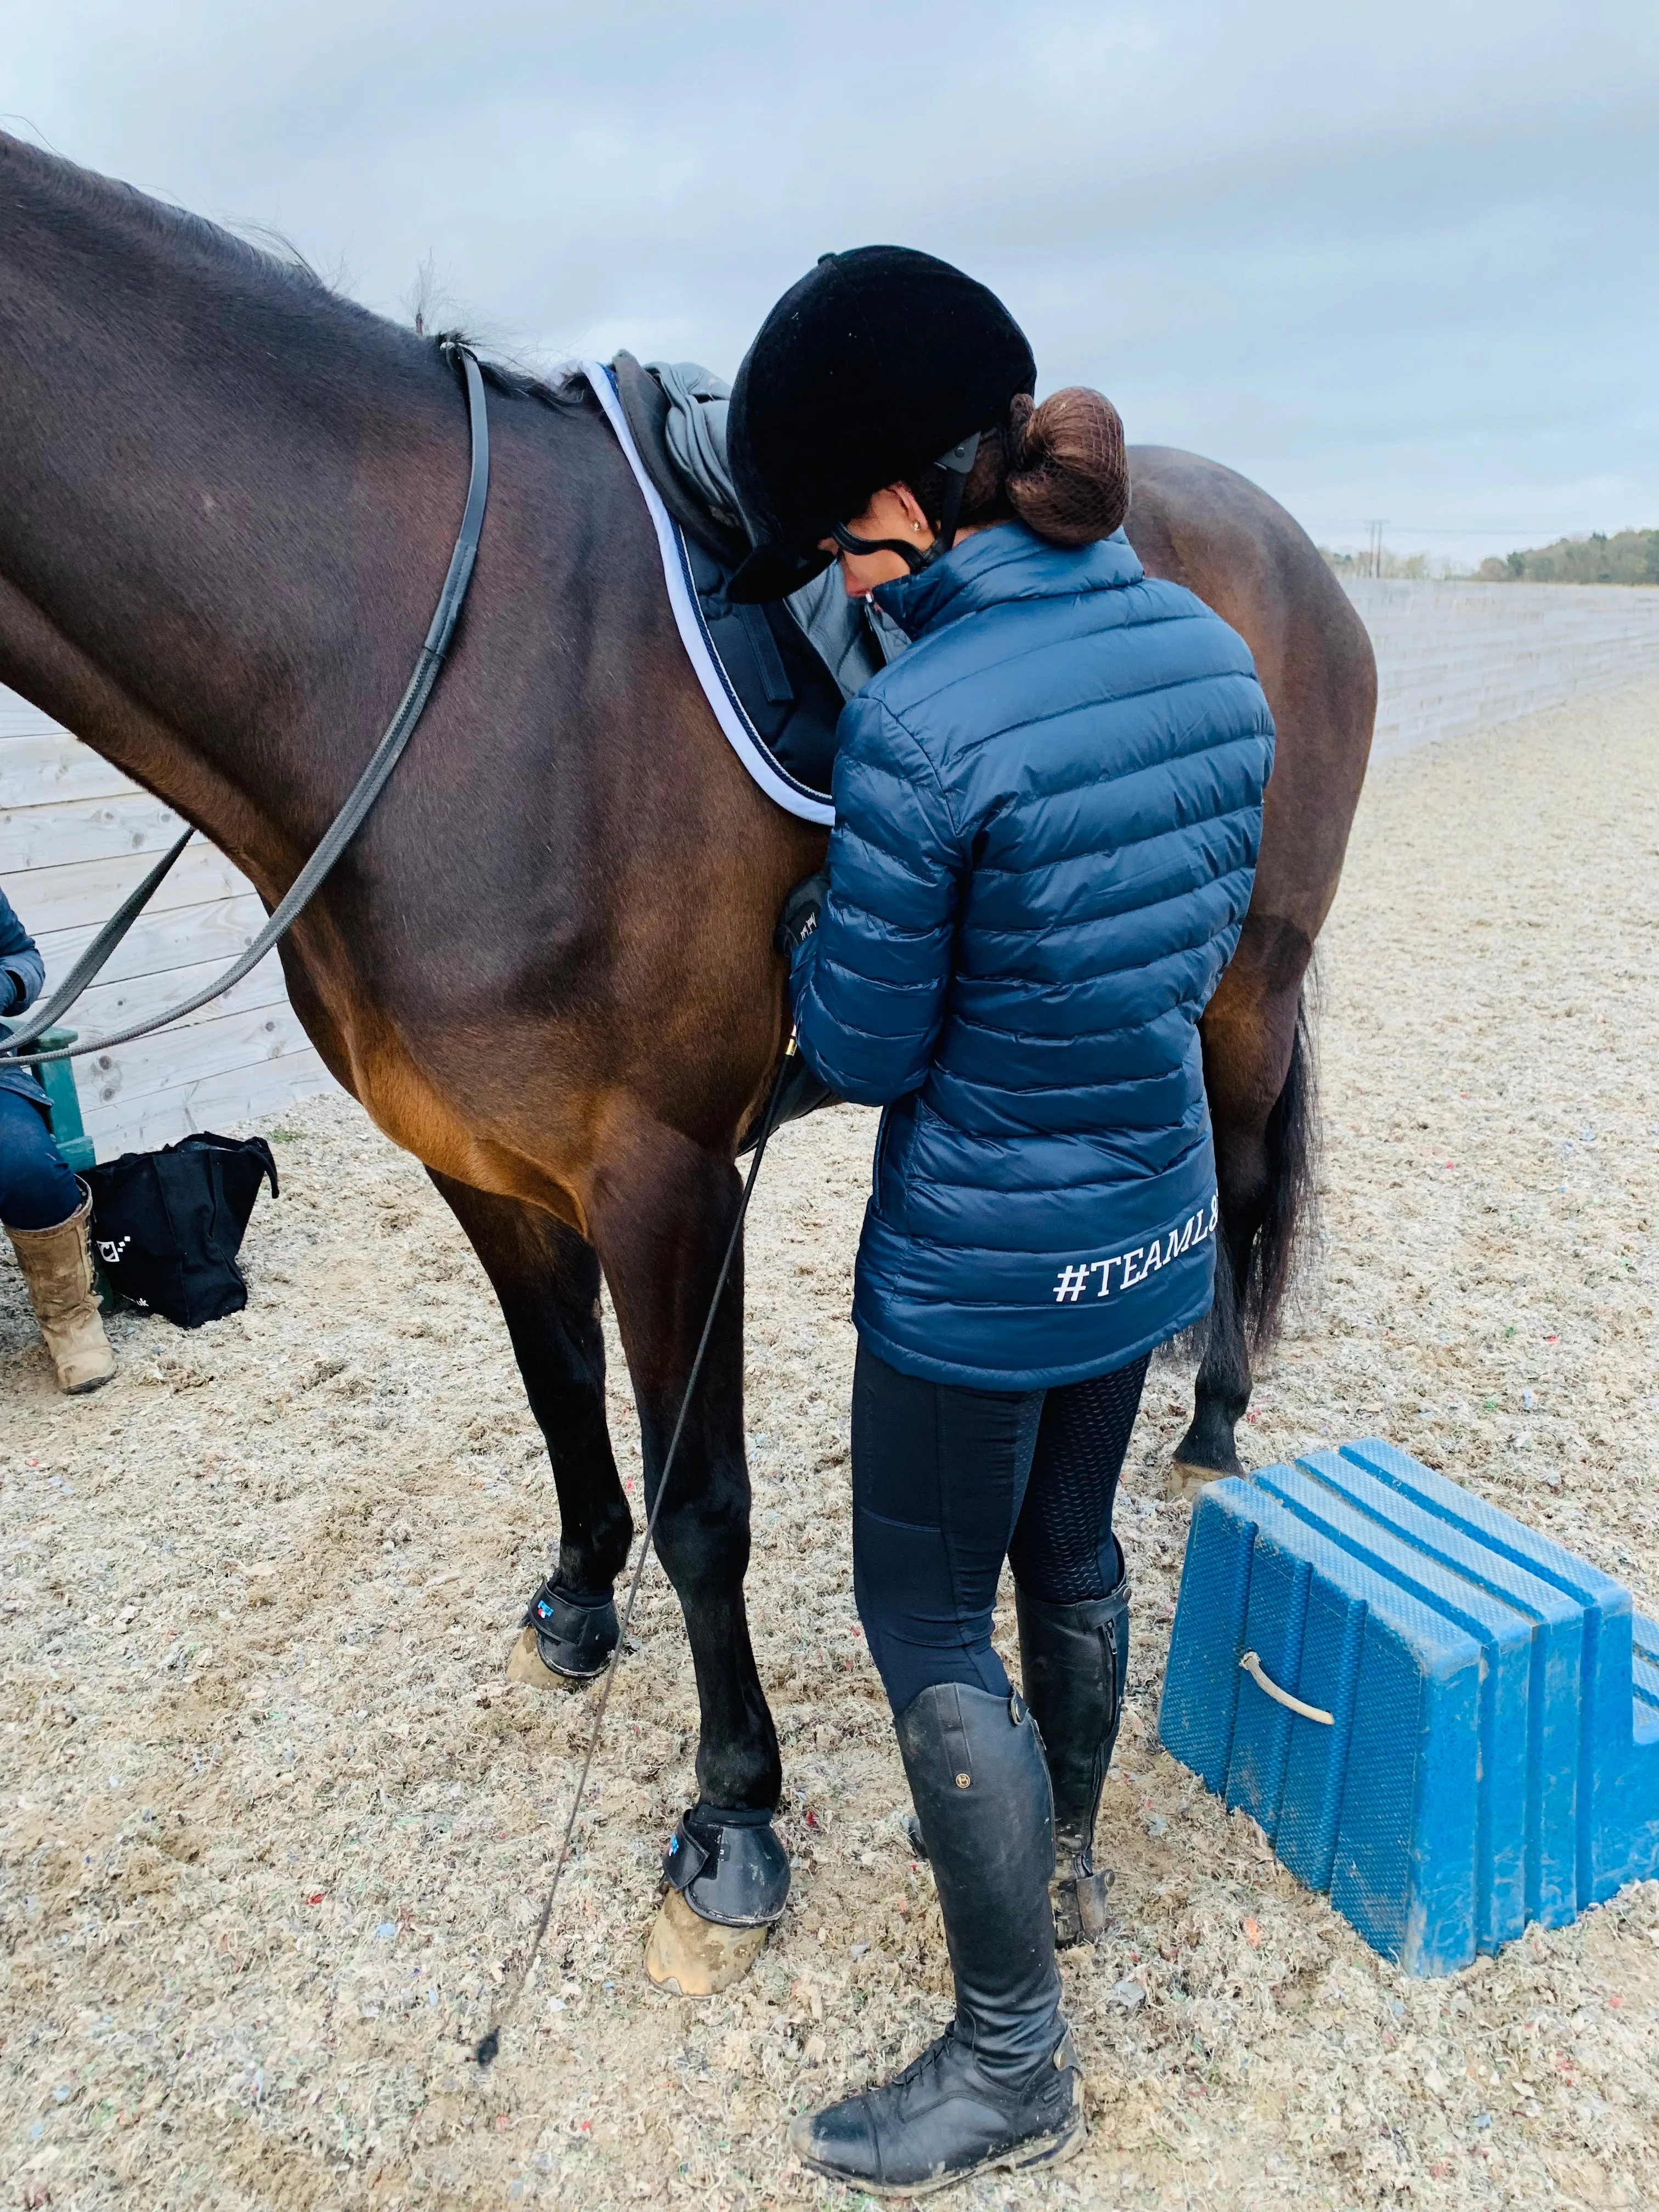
1290	1223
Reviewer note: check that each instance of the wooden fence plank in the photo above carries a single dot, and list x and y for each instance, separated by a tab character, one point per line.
112	1005
195	1049
19	719
222	1100
215	931
51	770
69	833
89	892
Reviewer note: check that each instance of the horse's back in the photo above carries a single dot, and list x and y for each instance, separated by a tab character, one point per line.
1204	526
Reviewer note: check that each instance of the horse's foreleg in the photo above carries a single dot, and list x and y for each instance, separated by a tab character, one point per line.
547	1279
1258	1077
661	1219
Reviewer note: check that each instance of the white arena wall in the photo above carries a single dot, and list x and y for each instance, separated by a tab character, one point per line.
76	836
1456	657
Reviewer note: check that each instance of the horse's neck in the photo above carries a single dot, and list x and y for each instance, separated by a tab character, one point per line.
226	498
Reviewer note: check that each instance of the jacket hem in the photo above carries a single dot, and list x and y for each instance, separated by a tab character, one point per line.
927	1369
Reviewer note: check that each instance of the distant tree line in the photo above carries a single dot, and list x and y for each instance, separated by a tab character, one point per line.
1414	568
1627	557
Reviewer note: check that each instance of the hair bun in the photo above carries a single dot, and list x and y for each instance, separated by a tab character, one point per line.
1068	475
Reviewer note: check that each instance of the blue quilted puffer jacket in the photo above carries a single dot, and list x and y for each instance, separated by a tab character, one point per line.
1048	812
21	974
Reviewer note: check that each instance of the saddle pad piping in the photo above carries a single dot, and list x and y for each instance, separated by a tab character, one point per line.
779	786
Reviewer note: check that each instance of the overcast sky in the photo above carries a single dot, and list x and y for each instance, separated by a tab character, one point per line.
1390	260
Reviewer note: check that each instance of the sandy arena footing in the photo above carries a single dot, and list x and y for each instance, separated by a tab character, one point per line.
273	1820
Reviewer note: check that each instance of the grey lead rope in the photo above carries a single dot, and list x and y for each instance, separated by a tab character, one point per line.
340	831
490	2043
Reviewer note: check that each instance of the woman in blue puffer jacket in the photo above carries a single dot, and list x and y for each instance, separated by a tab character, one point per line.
1047	814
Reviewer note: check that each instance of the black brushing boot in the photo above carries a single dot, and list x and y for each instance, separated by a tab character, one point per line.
1000	2088
1075	1660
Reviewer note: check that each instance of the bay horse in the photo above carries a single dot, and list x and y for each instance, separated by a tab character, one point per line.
545	964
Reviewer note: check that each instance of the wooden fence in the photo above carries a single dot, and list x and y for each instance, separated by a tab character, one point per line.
75	837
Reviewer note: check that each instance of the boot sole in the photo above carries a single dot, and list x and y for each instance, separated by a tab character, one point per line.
1035	2151
85	1389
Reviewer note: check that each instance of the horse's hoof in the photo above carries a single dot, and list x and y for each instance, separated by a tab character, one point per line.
525	1663
1080	1909
1183	1481
695	1957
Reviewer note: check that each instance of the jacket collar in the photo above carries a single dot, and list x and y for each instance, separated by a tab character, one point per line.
1007	562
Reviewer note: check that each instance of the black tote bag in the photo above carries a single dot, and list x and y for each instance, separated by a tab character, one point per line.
167	1227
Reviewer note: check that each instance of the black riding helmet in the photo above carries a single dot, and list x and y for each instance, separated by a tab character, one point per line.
877	364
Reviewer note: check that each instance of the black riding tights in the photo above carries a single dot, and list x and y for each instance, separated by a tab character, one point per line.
947	1482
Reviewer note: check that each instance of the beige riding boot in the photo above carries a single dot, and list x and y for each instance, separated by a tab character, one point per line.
57	1265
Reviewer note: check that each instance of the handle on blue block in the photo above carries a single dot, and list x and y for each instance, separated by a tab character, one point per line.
1251	1665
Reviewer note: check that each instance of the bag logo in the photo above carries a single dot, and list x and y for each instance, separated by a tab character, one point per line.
110	1249
1145	1259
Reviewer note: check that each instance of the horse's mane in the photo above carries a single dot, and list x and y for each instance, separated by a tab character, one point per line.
566	391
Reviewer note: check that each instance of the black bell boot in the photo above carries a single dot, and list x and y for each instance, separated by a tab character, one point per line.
1074	1660
565	1639
1000	2089
729	1867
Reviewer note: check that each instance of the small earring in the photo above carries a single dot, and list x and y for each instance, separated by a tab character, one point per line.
916	526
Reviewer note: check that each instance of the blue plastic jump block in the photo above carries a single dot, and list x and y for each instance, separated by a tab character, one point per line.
1492	1752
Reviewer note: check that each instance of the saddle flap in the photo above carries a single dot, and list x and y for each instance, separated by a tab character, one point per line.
645	406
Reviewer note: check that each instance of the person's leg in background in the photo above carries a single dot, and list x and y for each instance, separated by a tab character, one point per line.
1072	1596
937	1477
37	1189
45	1213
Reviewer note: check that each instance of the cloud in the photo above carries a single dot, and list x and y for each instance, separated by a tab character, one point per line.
1388	259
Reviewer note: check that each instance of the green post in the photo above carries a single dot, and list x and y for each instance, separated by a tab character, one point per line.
63	1103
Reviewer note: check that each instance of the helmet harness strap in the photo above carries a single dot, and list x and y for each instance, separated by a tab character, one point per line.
958	465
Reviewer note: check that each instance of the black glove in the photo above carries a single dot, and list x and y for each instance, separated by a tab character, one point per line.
14	992
800	912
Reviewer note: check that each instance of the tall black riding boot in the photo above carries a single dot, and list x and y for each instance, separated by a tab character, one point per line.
999	2087
1075	1662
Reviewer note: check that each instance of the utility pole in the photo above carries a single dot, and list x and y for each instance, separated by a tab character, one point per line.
1376	527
